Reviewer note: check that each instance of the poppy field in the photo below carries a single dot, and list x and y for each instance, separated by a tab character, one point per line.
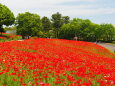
55	62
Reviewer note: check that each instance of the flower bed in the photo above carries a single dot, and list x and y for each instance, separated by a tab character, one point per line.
55	62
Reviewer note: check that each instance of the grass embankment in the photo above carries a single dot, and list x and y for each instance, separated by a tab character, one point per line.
8	37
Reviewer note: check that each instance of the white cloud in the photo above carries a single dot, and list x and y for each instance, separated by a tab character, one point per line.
37	3
90	12
48	7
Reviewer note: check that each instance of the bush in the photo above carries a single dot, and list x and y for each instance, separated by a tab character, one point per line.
113	42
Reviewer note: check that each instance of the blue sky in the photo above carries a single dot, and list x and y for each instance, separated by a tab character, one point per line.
98	11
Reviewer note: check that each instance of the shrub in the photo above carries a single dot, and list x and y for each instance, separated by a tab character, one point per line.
113	42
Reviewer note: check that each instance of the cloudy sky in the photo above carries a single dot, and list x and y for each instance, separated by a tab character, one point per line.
98	11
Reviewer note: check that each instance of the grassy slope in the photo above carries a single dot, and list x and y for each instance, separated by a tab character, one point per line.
7	37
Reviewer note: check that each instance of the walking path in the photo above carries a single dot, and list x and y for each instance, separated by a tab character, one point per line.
109	46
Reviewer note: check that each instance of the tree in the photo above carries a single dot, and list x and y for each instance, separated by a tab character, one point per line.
85	31
46	23
6	17
57	22
94	32
66	19
28	24
82	29
70	30
108	32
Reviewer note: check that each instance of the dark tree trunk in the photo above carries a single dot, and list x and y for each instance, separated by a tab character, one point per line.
56	32
1	29
23	37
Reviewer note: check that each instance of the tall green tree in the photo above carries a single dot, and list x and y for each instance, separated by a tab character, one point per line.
93	32
108	31
70	30
28	24
82	28
85	28
57	22
6	17
66	19
46	24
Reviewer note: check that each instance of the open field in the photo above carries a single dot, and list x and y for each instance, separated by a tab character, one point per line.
55	62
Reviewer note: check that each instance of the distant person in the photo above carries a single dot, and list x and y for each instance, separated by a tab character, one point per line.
75	38
96	42
99	41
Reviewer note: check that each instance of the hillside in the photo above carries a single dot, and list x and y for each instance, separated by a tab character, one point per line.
55	62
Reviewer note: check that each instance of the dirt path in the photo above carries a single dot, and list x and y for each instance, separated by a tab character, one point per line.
109	46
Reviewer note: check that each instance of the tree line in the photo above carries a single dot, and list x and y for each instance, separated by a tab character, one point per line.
58	26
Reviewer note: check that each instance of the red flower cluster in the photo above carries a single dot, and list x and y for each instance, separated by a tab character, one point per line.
2	38
53	62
